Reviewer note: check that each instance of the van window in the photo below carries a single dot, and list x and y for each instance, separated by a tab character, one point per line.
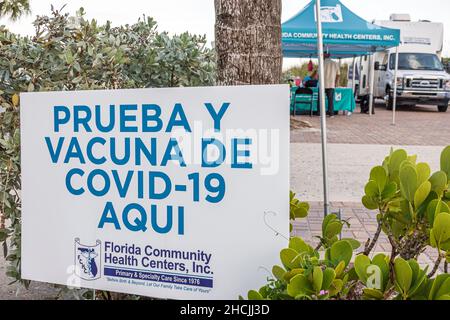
416	61
385	59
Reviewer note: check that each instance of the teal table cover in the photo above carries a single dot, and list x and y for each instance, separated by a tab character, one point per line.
343	100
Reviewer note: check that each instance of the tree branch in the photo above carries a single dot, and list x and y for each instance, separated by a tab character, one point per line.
388	293
369	248
318	247
392	260
436	266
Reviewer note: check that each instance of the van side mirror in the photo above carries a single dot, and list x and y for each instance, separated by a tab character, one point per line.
380	67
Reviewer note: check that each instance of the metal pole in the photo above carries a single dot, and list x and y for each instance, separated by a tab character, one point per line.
394	104
354	76
372	83
323	113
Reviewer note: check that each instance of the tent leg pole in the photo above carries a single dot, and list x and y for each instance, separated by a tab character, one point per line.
372	83
354	76
394	104
323	113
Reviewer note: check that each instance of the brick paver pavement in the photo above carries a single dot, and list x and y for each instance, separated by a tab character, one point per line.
422	125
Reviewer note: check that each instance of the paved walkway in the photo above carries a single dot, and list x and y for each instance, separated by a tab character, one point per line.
422	126
349	168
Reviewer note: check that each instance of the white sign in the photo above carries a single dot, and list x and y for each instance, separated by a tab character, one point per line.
417	40
170	193
330	14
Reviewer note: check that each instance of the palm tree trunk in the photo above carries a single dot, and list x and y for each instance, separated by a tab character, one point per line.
248	41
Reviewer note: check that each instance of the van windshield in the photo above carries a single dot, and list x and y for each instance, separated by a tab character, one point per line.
416	61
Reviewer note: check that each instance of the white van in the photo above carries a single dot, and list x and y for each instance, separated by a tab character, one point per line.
421	76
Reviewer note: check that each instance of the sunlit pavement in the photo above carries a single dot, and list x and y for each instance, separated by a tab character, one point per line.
349	167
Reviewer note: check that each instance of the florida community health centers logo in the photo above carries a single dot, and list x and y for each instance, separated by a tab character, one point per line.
331	14
87	260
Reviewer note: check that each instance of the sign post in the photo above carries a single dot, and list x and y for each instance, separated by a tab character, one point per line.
156	192
323	111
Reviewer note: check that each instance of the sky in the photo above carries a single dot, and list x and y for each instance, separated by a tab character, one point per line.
197	16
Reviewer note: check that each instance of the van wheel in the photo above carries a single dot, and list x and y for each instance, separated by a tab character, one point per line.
443	108
389	102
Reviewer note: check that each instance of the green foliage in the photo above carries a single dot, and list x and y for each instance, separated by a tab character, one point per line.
72	53
374	273
303	274
409	198
340	251
411	282
306	276
296	71
362	262
440	288
440	233
414	212
403	274
14	9
331	229
297	209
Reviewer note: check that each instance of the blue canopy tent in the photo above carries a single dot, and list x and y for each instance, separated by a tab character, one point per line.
328	25
344	33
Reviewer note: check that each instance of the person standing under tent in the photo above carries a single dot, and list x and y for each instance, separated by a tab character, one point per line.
311	80
332	74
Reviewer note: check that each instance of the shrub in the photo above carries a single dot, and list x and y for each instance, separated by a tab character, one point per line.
413	211
412	204
72	53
